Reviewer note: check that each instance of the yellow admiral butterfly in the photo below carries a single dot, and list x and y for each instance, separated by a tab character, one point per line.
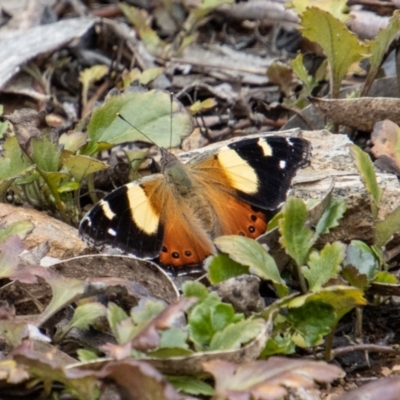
175	215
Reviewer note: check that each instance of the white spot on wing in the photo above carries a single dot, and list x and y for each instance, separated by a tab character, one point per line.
241	175
266	148
141	209
111	232
289	141
282	164
109	214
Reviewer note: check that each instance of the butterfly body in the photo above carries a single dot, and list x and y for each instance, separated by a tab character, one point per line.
176	214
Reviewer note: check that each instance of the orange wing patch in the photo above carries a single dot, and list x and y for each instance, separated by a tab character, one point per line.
185	241
238	218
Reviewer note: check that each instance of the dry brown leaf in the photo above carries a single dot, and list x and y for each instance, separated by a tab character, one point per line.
362	113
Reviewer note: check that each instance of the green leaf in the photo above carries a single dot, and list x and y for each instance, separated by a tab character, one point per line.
341	298
20	228
205	321
115	315
341	46
248	252
367	172
362	257
174	338
300	70
221	268
311	322
190	385
142	24
296	238
386	277
335	7
233	336
86	315
200	106
385	229
146	310
379	46
13	165
149	75
324	265
149	112
279	344
195	289
72	141
68	187
86	355
46	154
89	75
81	166
331	216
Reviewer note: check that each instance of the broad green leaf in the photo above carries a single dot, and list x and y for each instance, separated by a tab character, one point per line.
81	166
12	161
13	164
146	310
174	337
379	46
221	268
324	265
335	7
150	74
85	355
149	112
205	321
279	344
385	229
195	289
296	238
362	257
311	322
386	277
87	314
72	141
115	315
367	172
68	187
46	154
331	216
200	106
90	75
250	253
341	298
169	352
65	291
341	46
190	385
20	228
233	336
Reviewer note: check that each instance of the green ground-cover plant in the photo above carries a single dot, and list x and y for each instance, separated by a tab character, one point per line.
323	23
48	172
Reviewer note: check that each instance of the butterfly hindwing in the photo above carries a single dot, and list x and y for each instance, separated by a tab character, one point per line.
127	219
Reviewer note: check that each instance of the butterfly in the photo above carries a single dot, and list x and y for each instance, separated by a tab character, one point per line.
173	216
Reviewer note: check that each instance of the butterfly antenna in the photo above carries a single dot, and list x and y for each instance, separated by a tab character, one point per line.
134	127
170	119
